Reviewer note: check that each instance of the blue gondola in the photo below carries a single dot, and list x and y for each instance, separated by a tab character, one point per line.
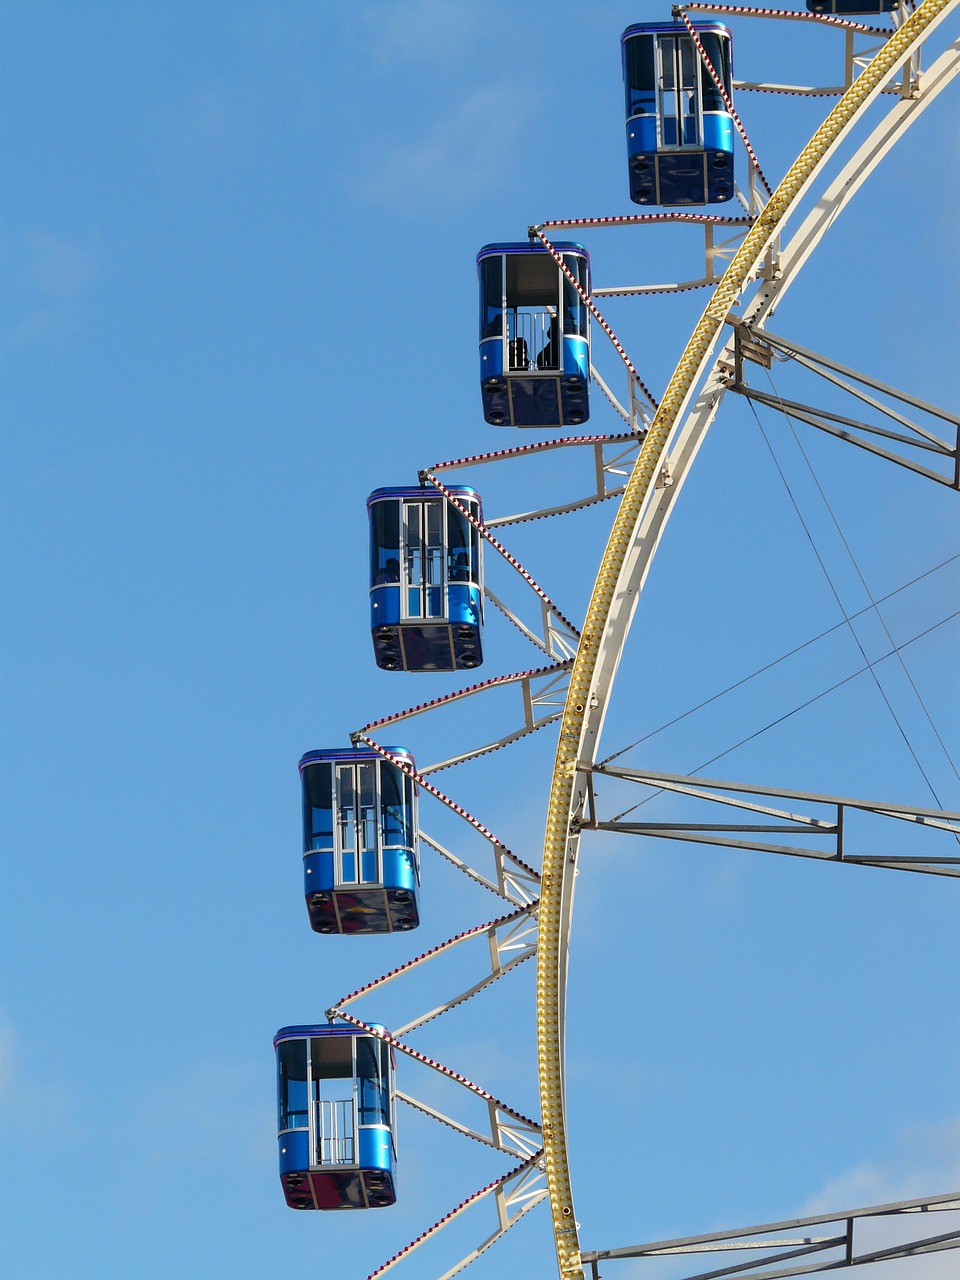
851	7
360	870
534	335
336	1132
426	580
679	132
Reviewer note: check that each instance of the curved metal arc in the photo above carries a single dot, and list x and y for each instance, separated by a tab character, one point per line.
614	599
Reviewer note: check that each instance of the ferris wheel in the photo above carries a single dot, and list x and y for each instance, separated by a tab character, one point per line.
432	549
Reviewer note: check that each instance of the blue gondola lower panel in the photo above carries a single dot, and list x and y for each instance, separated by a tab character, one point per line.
680	134
360	834
426	580
336	1131
534	335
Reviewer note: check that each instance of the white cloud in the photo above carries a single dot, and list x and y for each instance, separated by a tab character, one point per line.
464	154
8	1058
421	30
189	1106
31	1097
924	1161
57	268
57	271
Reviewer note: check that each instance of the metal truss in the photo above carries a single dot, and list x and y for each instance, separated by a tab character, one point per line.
839	1244
542	696
514	881
515	1194
715	251
637	417
612	457
539	688
785	822
513	1197
510	940
758	346
507	1134
861	44
556	641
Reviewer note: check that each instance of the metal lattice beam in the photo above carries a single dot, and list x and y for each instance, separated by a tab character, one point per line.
831	829
839	1244
756	345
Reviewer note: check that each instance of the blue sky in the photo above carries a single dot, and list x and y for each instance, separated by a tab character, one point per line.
238	258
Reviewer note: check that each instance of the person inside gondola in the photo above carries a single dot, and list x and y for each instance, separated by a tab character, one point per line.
549	357
390	571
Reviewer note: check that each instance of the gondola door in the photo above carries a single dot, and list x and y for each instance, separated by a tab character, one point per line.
358	828
423	559
333	1104
678	95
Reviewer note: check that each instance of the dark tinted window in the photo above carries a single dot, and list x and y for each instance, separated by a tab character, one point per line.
640	79
385	542
574	307
491	297
374	1101
292	1091
317	806
717	50
394	821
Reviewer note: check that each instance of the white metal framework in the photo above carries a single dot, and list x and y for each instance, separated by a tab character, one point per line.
645	467
687	409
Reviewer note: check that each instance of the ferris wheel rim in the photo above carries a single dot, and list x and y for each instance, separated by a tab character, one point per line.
615	595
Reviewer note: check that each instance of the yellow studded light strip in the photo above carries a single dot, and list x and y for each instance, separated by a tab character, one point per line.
557	871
